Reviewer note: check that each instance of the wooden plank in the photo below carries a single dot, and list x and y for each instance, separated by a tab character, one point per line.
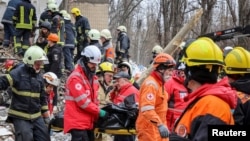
176	41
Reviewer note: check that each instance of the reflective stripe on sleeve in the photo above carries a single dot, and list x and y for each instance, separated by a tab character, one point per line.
152	83
147	108
86	103
10	79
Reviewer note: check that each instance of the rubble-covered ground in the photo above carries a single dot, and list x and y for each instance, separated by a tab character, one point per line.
7	129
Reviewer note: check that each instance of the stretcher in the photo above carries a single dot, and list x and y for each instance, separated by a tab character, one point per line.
116	131
108	131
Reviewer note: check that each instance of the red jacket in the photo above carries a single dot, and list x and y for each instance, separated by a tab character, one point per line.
176	104
50	101
118	96
81	107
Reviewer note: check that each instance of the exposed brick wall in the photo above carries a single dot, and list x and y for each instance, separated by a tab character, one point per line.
96	13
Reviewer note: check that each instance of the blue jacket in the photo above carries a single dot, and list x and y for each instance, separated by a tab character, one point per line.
9	12
70	34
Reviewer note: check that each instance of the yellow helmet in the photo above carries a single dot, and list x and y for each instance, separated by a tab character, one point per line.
203	51
106	67
237	61
76	11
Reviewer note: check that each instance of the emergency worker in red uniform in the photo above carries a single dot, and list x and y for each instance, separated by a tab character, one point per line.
82	107
176	94
123	88
151	121
210	101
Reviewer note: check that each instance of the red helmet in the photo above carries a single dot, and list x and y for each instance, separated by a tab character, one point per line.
165	59
8	64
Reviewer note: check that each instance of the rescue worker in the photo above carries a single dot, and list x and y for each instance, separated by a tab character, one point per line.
151	121
24	20
126	66
46	15
237	70
105	75
69	47
54	54
210	101
28	109
109	52
93	39
176	93
57	23
123	88
43	34
9	29
51	81
81	106
155	51
82	28
122	45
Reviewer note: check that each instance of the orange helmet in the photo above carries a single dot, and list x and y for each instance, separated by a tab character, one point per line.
53	37
164	59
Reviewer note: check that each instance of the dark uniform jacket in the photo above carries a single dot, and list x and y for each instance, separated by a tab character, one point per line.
54	55
122	45
82	28
242	111
9	12
25	15
58	27
45	17
28	95
70	34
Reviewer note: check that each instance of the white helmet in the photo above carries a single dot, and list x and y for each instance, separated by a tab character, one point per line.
51	78
93	54
105	33
34	53
157	49
94	34
51	1
122	28
67	17
63	12
125	63
53	7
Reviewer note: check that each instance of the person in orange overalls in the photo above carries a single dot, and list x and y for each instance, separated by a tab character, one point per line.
210	100
151	120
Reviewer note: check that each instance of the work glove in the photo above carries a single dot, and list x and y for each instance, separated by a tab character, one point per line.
164	133
103	114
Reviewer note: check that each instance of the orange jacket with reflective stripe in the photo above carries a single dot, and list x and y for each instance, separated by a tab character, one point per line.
209	104
152	108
